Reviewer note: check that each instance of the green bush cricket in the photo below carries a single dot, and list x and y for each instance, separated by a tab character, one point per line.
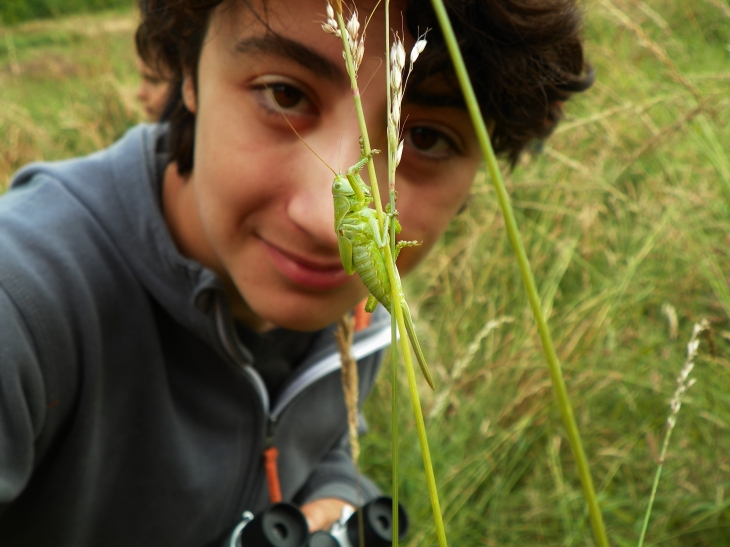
361	245
361	242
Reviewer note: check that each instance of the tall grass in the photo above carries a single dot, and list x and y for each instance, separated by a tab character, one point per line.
624	209
17	11
66	88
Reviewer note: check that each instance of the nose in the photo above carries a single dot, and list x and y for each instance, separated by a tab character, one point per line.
311	206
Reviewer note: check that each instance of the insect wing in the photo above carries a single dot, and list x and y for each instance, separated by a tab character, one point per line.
345	246
342	207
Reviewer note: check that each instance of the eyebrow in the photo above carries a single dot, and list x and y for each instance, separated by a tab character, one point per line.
274	44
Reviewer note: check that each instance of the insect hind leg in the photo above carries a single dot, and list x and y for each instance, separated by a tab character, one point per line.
401	244
371	304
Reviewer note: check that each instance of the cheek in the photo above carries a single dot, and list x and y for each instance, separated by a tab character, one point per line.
426	210
240	176
227	198
160	92
424	218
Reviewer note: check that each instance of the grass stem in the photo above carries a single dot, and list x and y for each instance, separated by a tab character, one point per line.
683	384
396	292
393	321
599	530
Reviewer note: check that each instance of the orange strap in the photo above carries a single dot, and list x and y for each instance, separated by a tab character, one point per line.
272	474
362	318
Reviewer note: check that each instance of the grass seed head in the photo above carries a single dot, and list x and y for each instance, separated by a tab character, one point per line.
330	26
355	42
684	382
418	48
353	26
397	88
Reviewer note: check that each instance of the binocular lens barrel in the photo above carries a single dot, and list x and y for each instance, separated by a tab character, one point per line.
322	539
378	523
282	525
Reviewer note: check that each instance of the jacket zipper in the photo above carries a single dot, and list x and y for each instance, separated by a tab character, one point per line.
329	364
325	366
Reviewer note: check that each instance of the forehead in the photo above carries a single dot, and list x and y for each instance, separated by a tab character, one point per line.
299	16
293	30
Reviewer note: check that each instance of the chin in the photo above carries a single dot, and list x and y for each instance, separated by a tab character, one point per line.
302	311
304	316
303	323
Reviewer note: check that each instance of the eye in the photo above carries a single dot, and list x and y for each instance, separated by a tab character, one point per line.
286	96
278	97
152	80
430	142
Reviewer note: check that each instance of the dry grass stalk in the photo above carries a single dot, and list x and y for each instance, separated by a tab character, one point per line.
722	6
684	382
345	331
656	49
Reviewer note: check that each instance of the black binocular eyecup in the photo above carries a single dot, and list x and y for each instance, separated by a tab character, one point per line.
284	525
377	529
322	539
281	525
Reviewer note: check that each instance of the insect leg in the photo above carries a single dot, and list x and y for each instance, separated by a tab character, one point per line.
362	162
414	342
371	304
380	240
401	244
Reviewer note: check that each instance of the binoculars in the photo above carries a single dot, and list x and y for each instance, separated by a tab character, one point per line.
284	525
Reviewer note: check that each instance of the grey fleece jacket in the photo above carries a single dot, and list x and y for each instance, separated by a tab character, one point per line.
130	414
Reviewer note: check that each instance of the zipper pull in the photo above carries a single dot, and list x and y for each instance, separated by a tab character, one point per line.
271	455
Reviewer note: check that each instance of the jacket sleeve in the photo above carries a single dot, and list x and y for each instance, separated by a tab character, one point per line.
336	476
22	401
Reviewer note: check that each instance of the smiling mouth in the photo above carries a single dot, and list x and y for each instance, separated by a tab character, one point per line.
311	274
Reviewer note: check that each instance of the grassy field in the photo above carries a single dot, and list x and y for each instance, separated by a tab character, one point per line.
13	12
625	217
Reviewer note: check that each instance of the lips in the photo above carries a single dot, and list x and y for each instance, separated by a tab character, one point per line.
308	273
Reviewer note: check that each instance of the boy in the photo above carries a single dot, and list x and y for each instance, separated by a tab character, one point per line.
166	304
153	90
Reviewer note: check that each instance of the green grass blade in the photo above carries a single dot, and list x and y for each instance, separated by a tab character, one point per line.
566	409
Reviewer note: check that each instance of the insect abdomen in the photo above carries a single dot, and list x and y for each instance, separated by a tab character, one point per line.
369	264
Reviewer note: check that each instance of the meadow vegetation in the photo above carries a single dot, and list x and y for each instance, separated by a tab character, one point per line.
16	11
625	216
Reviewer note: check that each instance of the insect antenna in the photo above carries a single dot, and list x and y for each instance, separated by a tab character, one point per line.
343	130
298	135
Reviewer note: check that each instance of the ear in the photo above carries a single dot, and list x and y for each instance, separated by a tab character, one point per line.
188	93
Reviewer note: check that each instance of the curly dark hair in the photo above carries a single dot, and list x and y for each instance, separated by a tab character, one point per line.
525	59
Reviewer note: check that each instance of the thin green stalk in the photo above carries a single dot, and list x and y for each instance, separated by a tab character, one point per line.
396	291
394	427
654	486
393	327
683	384
599	530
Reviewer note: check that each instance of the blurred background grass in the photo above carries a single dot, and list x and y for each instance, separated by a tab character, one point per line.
624	213
16	11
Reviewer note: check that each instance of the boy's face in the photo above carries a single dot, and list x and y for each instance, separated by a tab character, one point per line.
153	91
257	207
